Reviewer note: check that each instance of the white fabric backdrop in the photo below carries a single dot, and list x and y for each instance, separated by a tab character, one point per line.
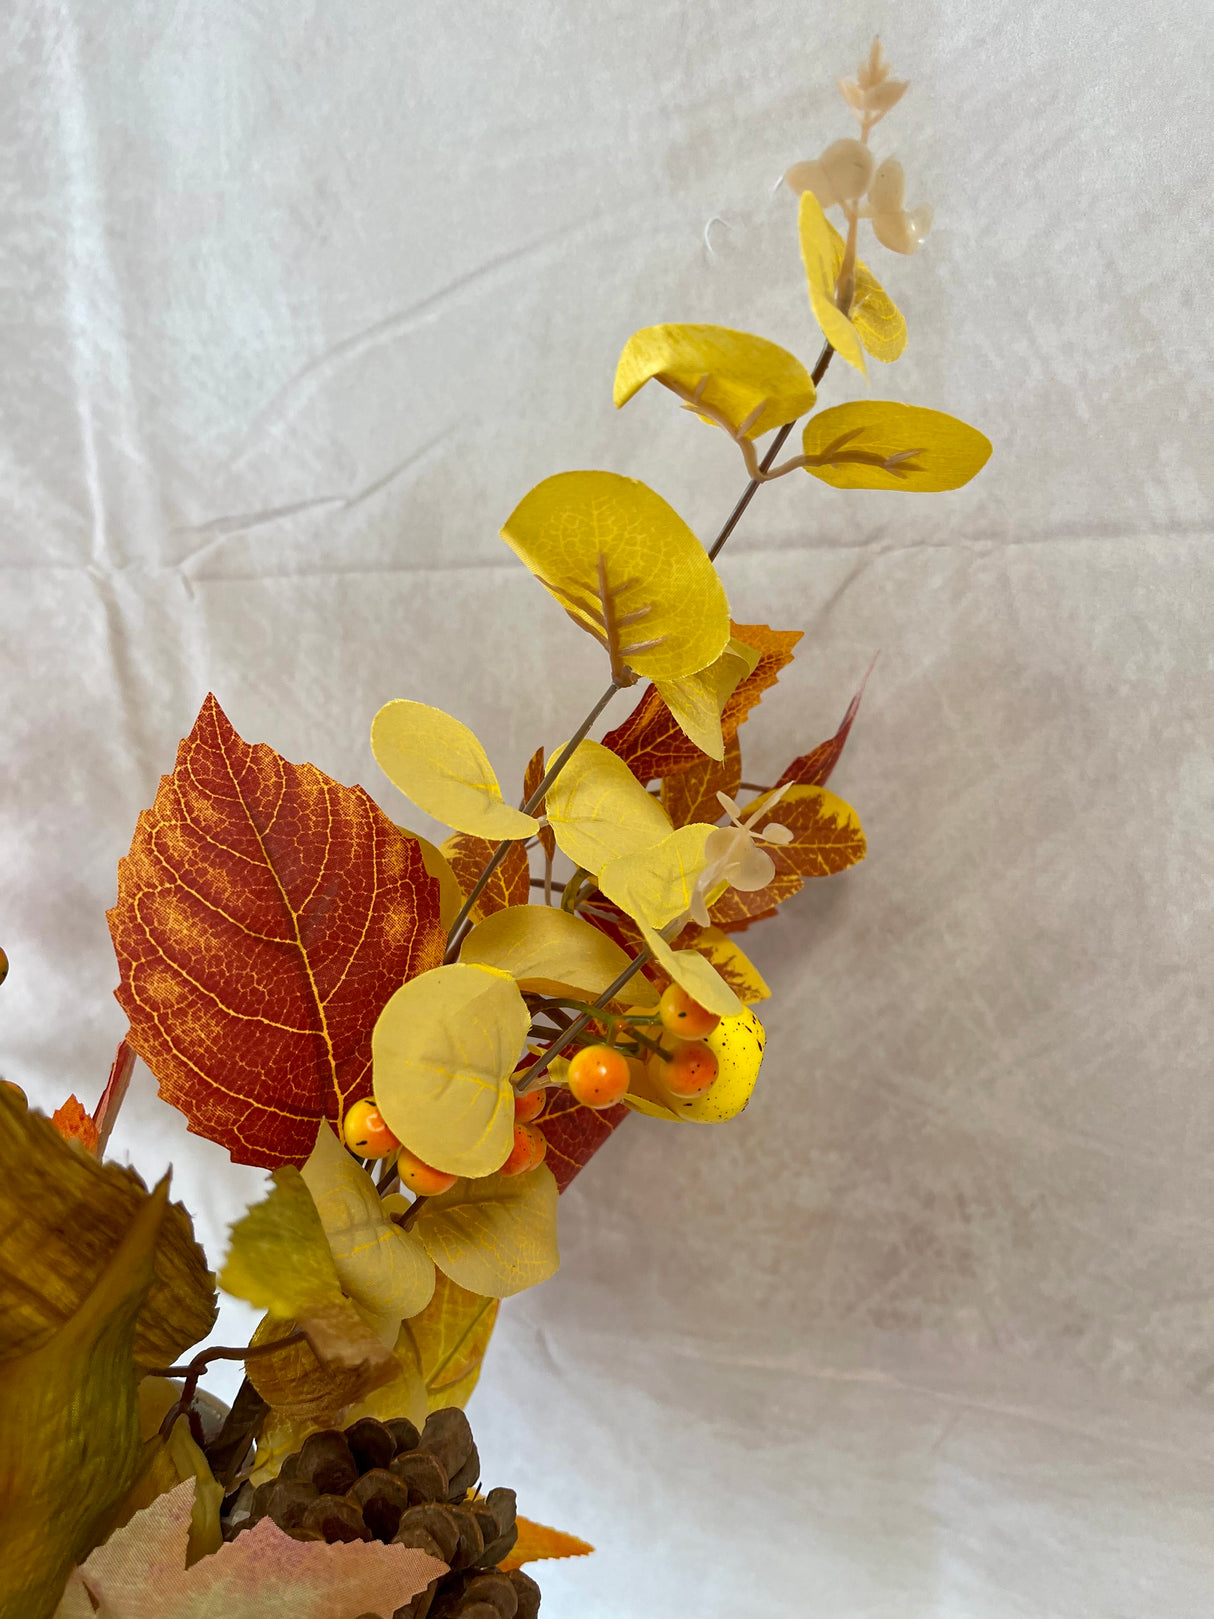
299	300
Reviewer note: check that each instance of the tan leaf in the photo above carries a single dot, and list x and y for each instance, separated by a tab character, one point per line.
451	1336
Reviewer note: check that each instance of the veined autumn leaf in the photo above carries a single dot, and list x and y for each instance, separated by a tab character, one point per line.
445	1047
70	1448
450	1337
546	950
532	778
383	1269
692	794
626	568
575	1133
738	374
733	964
495	1235
598	810
74	1124
510	883
62	1216
697	702
439	765
140	1573
813	769
877	444
441	868
536	1544
265	914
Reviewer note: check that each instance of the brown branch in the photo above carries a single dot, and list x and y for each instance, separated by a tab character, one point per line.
199	1364
540	1065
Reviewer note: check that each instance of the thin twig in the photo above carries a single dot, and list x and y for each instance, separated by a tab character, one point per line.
201	1361
540	1065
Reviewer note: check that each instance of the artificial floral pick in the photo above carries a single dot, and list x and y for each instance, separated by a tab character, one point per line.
425	1044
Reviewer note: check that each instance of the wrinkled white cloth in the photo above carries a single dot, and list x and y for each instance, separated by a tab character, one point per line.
299	301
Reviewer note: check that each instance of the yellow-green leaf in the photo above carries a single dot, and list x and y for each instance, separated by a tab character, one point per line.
385	1270
444	1049
450	1337
818	237
546	950
626	567
877	444
655	884
496	1235
599	811
698	701
70	1447
741	373
438	763
694	973
278	1256
173	1460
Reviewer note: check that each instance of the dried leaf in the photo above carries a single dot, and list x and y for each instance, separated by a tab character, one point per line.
533	775
301	1387
598	810
625	567
734	372
439	765
445	1047
495	1235
384	1270
70	1448
692	794
546	951
62	1215
265	914
510	883
575	1133
74	1124
537	1544
877	444
140	1572
451	1335
813	769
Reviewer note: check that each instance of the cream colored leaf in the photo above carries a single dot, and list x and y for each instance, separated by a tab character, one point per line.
877	444
818	238
444	1049
385	1270
494	1236
625	567
698	701
441	767
734	372
546	951
599	811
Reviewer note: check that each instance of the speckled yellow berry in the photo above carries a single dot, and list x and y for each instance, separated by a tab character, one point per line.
737	1043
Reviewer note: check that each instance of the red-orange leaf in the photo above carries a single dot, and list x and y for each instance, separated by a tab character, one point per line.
692	794
735	911
265	916
74	1124
813	769
827	838
575	1133
532	777
510	883
650	741
536	1542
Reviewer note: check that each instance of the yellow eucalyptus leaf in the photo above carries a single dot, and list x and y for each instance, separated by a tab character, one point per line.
546	951
450	895
733	964
626	567
444	1049
441	767
655	884
875	315
450	1337
598	810
70	1446
638	1101
496	1235
385	1270
741	373
698	701
278	1255
818	237
877	444
693	973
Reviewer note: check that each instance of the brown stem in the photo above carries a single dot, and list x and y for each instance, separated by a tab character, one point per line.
199	1364
540	1065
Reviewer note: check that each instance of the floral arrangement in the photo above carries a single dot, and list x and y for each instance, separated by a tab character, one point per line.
424	1045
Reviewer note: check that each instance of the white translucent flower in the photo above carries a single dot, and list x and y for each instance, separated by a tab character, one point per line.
893	226
842	174
734	860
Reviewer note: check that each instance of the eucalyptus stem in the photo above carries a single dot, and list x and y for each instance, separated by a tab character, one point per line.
540	1065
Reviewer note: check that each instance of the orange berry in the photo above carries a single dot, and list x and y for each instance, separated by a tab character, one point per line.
684	1018
690	1071
366	1133
598	1076
530	1145
529	1107
421	1178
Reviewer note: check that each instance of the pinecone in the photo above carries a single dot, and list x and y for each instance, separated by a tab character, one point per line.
385	1481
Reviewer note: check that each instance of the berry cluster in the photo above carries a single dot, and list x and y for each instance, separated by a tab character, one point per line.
386	1481
680	1062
